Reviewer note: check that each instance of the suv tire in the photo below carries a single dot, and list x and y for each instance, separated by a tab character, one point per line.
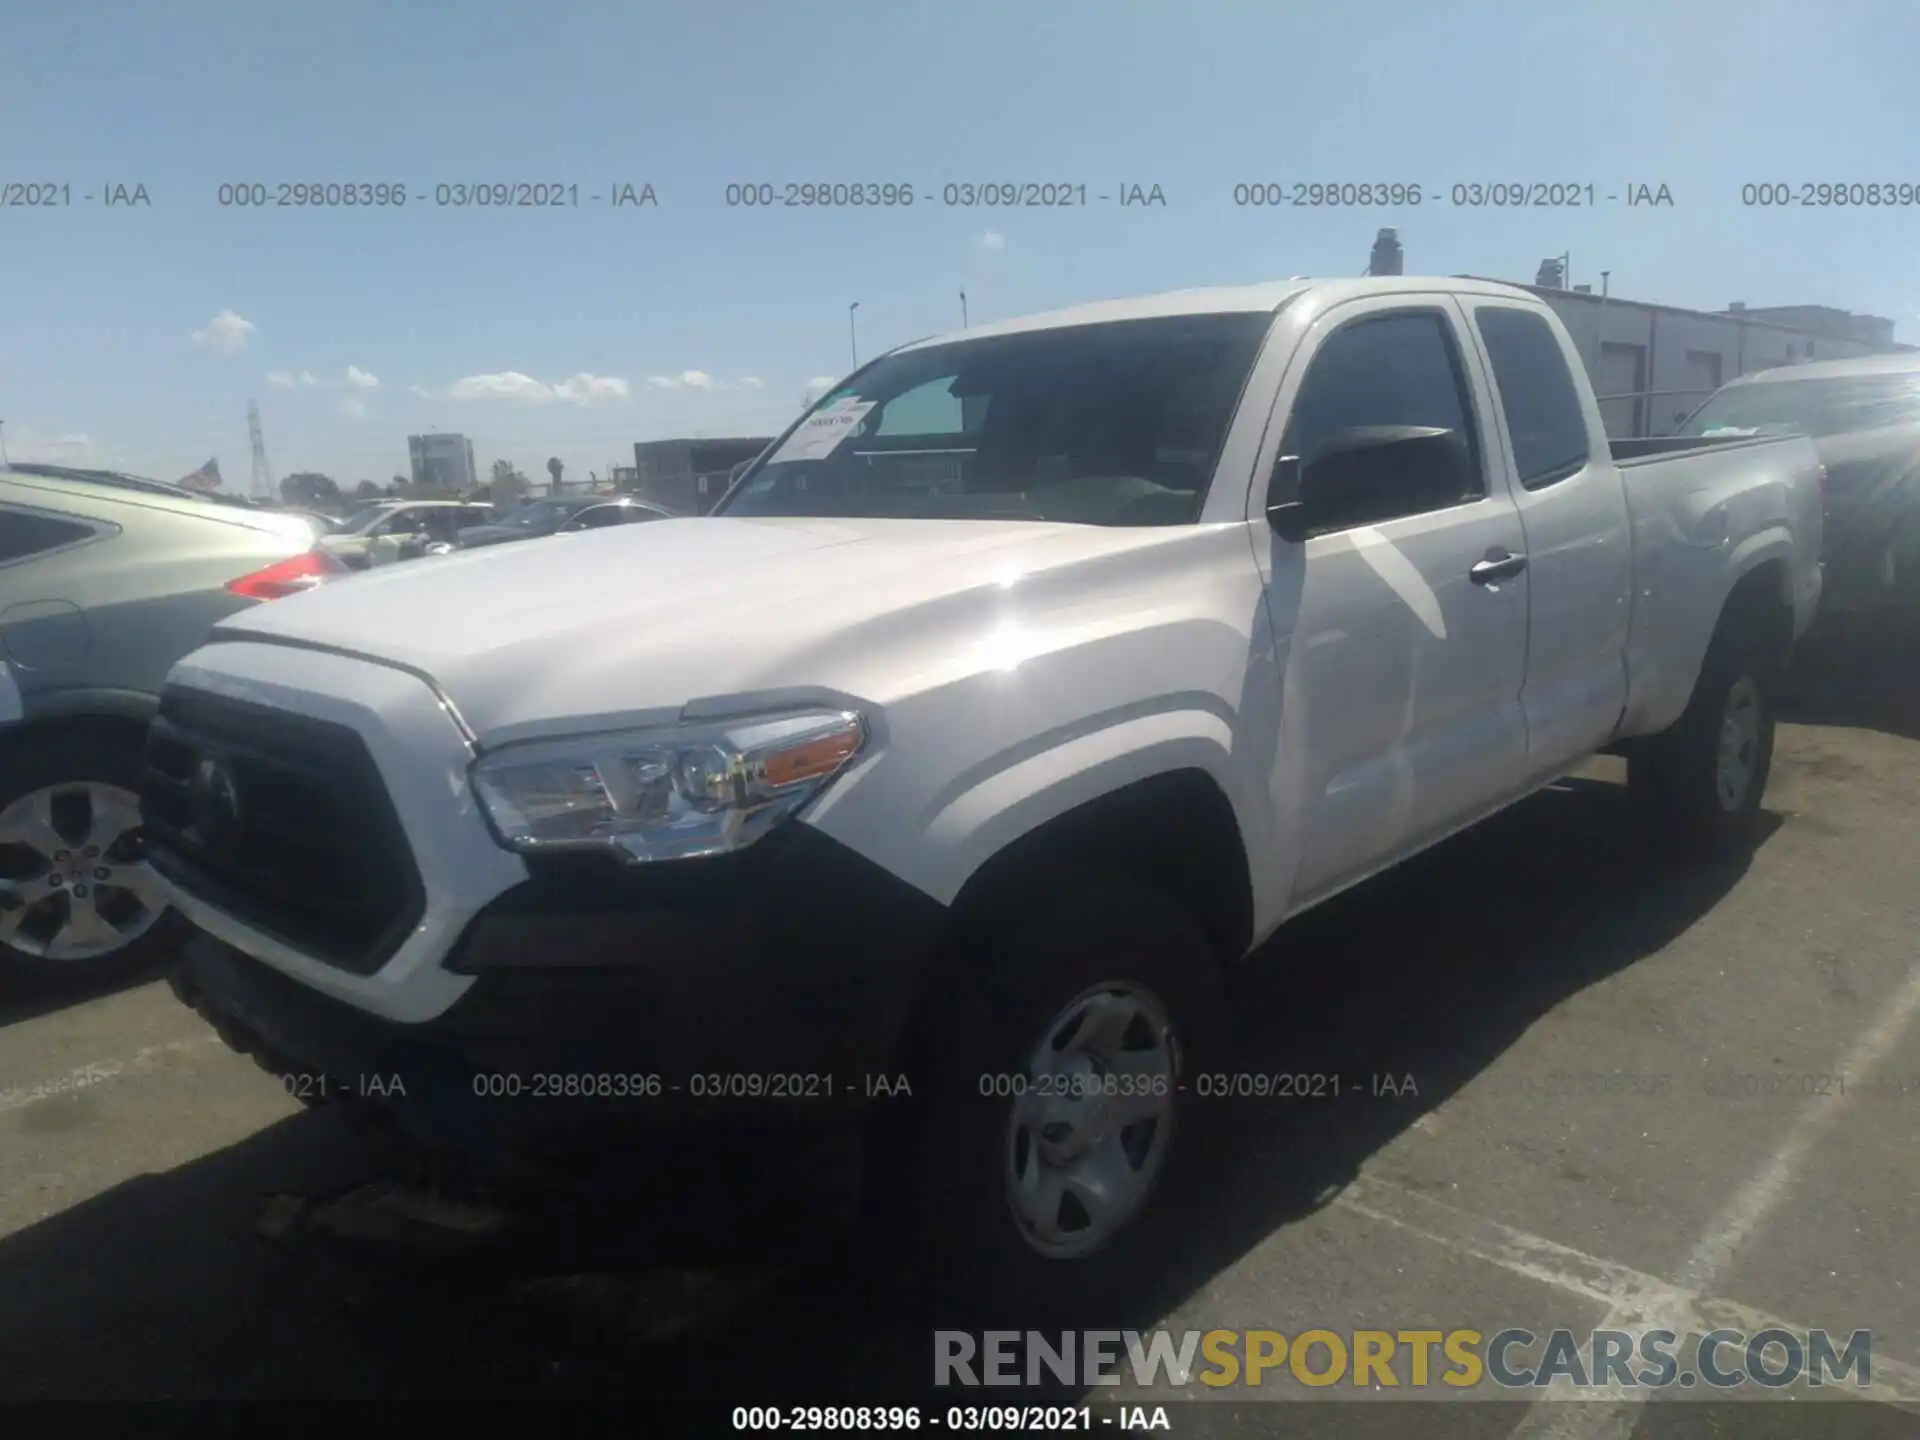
69	812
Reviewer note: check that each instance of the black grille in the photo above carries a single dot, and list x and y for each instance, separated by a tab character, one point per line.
316	857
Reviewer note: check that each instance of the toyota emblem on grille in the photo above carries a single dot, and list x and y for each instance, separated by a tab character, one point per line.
216	804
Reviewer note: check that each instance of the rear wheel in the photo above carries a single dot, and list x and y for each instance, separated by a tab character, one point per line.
1703	779
1055	1152
76	893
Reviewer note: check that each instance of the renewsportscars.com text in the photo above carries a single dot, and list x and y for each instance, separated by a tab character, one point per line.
1512	1359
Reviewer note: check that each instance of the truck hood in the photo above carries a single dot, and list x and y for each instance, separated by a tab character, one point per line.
626	622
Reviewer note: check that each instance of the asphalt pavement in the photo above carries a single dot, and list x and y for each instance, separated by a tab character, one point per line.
1623	1090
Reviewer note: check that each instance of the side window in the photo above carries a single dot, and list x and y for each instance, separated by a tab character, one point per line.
23	533
930	409
442	523
1387	370
1537	395
406	522
601	516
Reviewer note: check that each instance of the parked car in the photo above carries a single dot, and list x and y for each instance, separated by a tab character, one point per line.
558	515
1864	419
105	582
388	530
321	525
1030	680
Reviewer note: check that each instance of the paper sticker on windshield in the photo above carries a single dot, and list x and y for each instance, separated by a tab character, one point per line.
823	431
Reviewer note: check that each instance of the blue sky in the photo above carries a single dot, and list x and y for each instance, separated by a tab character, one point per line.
558	320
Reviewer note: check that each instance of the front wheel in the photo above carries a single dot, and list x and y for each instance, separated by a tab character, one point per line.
76	893
1703	779
1061	1137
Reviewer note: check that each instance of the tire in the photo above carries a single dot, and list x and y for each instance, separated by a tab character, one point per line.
1091	947
1676	779
84	783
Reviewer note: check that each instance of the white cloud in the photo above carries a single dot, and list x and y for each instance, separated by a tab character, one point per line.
991	240
226	332
581	389
751	382
34	448
356	379
423	392
353	408
508	385
685	380
584	389
819	385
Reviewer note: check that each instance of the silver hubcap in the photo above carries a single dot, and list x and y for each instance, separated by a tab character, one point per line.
1739	749
1087	1138
73	883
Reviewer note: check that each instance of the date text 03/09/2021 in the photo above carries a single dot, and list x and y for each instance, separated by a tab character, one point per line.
609	1085
964	1419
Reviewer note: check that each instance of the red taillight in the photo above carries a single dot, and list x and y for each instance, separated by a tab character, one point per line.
289	577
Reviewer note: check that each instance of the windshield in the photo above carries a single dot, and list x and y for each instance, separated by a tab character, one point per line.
539	514
1810	407
1110	424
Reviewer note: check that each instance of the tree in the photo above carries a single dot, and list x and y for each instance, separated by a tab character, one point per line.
366	490
507	484
397	485
308	487
554	467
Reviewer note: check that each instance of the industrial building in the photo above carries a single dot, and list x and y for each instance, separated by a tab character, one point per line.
687	477
1652	365
442	462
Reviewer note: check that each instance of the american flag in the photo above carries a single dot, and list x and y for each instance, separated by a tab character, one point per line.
207	477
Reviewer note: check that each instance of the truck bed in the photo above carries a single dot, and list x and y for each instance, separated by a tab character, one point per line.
1640	452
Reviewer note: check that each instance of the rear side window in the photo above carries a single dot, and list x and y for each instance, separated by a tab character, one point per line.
1537	395
23	533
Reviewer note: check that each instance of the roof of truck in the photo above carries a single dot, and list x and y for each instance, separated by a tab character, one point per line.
1227	300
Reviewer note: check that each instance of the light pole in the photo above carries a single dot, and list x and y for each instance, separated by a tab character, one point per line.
853	335
963	309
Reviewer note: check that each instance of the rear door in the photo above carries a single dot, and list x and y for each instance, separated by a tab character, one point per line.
44	634
1578	542
1402	689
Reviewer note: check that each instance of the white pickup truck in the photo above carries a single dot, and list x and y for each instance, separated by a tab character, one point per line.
925	793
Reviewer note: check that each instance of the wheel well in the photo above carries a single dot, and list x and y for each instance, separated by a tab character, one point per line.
1763	600
16	740
122	728
1175	831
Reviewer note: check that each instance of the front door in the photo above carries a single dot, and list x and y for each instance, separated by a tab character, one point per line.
1401	712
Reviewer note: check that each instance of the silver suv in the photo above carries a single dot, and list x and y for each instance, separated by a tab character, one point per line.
105	581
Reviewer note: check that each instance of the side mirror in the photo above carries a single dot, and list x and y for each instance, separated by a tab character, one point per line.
1365	475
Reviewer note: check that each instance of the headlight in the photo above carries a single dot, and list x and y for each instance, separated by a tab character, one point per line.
664	794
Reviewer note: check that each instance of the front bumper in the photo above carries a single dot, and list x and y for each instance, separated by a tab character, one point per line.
615	1014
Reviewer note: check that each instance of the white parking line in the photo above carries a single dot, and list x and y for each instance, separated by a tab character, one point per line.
1710	1258
142	1062
1634	1298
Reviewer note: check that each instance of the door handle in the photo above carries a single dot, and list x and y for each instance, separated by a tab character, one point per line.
1499	565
